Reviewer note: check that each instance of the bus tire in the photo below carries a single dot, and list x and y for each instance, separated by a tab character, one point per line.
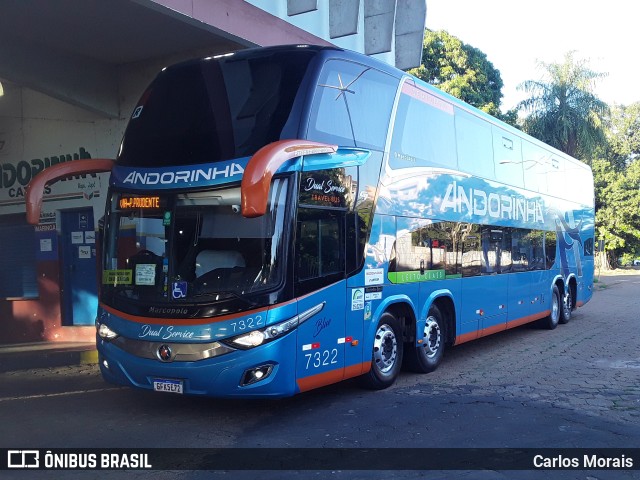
567	306
386	357
551	321
426	357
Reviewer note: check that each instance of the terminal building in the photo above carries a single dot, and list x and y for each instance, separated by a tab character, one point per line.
71	72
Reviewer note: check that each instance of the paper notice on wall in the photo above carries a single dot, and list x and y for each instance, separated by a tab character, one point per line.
84	251
77	237
46	245
89	237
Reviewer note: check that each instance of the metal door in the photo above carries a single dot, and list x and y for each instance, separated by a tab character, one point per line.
79	288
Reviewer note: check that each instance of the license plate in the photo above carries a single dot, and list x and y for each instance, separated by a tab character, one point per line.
167	385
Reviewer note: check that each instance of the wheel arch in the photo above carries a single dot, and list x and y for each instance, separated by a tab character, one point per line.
572	286
400	306
443	299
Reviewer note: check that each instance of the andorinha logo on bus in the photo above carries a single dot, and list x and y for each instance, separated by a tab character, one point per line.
171	177
480	203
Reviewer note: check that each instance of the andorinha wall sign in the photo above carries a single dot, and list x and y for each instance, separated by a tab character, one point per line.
14	178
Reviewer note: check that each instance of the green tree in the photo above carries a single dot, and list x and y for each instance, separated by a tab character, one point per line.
617	195
462	71
563	111
623	135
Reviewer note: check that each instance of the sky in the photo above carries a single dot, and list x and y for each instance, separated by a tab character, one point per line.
517	34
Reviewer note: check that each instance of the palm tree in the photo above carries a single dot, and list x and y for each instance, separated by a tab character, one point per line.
563	110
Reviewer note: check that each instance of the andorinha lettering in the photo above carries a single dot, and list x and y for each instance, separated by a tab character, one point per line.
23	171
478	202
183	176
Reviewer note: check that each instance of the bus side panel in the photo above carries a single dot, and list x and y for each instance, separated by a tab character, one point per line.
540	288
519	306
320	352
484	305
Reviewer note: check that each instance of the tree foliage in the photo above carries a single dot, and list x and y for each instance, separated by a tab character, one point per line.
623	135
617	214
462	71
563	111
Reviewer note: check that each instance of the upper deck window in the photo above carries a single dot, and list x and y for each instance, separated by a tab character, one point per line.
352	105
424	130
215	109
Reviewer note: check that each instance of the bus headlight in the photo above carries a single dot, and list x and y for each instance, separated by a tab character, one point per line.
255	338
265	335
105	332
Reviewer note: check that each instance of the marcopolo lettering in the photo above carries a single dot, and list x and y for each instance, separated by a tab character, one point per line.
22	172
480	203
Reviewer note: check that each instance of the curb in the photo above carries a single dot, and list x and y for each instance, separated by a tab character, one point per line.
10	362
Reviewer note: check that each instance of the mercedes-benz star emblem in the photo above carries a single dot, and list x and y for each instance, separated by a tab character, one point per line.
164	353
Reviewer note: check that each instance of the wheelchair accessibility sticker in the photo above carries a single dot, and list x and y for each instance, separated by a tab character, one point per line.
179	290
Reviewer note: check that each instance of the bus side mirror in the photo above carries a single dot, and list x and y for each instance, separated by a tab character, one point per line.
256	181
35	189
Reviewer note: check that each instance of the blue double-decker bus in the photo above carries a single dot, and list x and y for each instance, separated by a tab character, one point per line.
284	218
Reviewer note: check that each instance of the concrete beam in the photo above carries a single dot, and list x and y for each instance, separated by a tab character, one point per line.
296	7
343	17
411	17
80	81
237	20
379	19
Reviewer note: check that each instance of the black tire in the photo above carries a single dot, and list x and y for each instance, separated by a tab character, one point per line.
567	306
386	357
551	321
427	356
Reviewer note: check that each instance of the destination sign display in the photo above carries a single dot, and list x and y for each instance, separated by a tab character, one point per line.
131	202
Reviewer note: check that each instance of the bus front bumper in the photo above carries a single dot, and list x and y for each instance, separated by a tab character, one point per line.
264	371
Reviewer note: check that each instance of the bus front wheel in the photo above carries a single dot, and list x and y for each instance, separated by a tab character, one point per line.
386	357
427	356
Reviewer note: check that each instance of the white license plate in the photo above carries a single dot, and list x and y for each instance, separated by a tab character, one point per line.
166	385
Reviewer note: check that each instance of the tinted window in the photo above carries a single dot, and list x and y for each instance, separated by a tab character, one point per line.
432	246
588	247
319	248
507	156
211	110
474	143
471	251
352	105
424	130
550	242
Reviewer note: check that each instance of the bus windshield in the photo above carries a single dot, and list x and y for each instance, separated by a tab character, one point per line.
217	109
191	247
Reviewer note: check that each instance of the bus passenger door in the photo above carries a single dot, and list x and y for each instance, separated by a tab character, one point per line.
320	285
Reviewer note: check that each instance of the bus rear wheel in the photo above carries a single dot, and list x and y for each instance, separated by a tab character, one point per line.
567	306
551	321
386	357
426	357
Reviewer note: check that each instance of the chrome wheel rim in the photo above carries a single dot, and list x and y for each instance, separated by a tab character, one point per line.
566	304
385	348
431	337
555	308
